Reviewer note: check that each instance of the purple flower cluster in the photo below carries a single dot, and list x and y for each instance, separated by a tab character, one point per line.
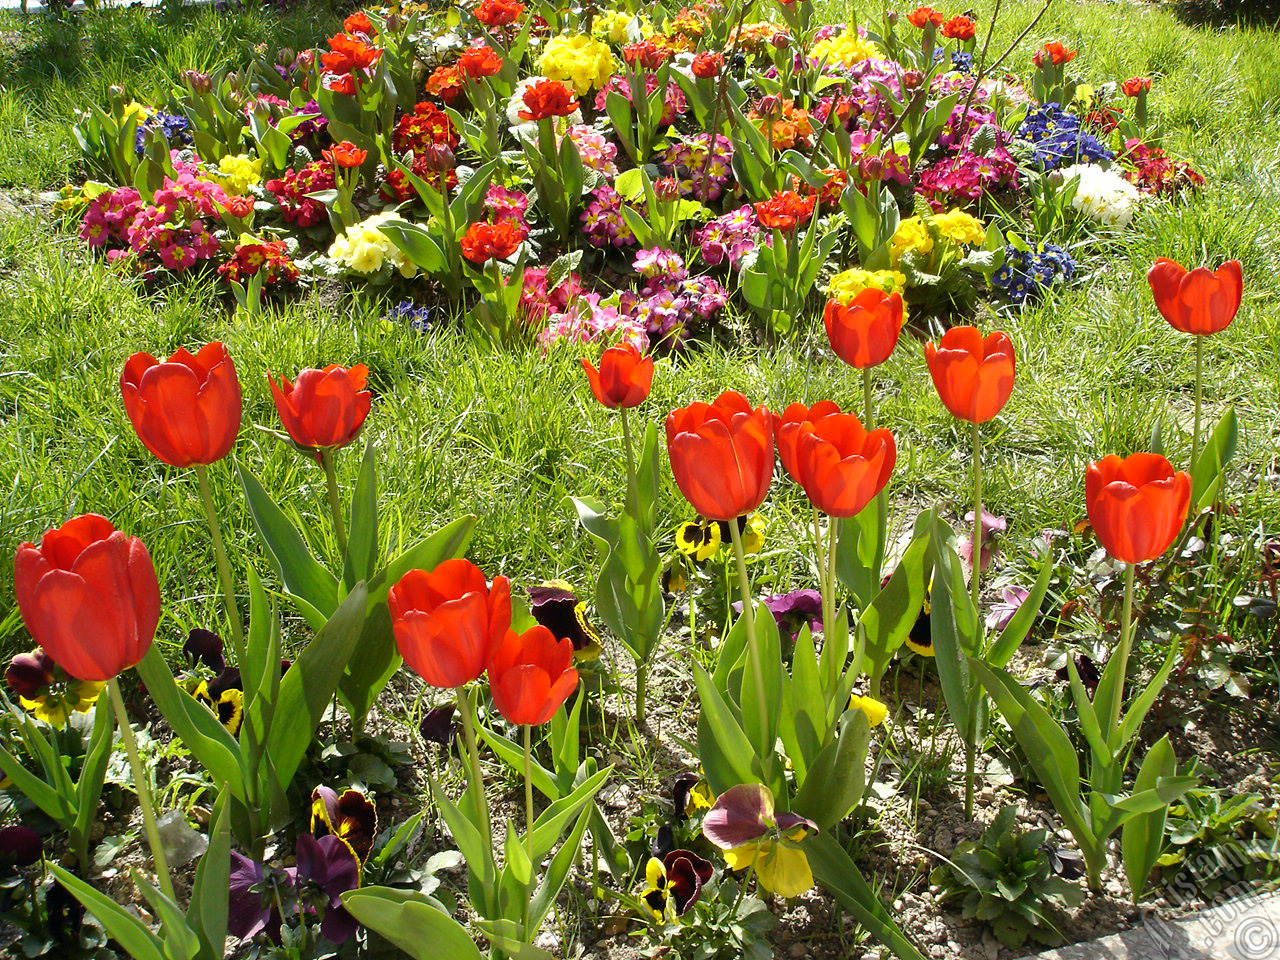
968	176
671	302
175	129
602	220
729	237
687	161
1058	139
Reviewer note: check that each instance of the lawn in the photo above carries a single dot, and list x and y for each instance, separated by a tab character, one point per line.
509	436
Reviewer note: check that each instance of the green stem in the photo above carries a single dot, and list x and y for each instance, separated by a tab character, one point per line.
970	763
632	493
1195	430
975	553
528	792
141	789
868	401
829	606
1123	648
467	709
642	686
224	564
749	614
335	501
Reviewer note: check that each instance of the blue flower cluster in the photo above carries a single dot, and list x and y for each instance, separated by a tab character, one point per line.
1028	273
1057	139
176	130
418	318
962	61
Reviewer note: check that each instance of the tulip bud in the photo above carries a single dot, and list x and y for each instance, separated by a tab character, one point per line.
233	81
116	94
770	107
667	190
871	168
437	157
392	23
197	81
305	60
780	41
891	17
285	56
911	79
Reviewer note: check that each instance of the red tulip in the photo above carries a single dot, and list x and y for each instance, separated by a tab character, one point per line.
864	332
1135	86
323	409
1197	301
624	377
187	409
924	16
491	241
973	376
841	466
448	622
89	596
547	98
794	422
345	155
722	455
1136	505
531	674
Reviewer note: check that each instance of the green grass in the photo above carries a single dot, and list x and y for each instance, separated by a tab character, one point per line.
509	436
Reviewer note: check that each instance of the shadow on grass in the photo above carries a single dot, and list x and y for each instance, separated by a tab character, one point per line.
1225	14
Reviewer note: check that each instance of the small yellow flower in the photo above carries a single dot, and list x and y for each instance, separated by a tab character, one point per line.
913	235
614	26
846	50
238	173
959	226
578	59
848	284
57	705
875	710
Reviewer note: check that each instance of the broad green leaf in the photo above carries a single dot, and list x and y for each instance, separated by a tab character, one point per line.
207	913
558	870
724	749
124	927
447	543
1207	476
517	855
307	688
197	727
300	572
837	777
415	925
1142	839
839	875
513	755
361	560
180	941
1019	625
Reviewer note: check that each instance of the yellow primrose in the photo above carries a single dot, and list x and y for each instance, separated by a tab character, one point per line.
365	249
578	59
616	26
959	226
238	173
845	50
135	109
875	710
846	285
911	234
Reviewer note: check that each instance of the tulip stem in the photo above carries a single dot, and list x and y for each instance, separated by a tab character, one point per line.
632	495
749	615
466	707
224	565
141	789
1123	648
335	501
975	551
642	687
1195	430
868	400
528	792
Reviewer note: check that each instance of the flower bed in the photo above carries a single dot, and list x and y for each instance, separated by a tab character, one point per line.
653	183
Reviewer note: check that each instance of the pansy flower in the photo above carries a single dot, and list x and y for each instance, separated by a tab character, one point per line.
743	824
555	606
673	884
350	817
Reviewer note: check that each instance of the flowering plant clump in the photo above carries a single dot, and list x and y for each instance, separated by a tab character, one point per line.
1103	195
1026	273
293	193
366	250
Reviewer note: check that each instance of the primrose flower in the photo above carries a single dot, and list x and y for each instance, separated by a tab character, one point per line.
845	50
577	59
846	285
365	249
959	226
1103	195
743	824
237	173
618	26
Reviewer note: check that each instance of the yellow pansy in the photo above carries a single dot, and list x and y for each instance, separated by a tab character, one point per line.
781	867
57	705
